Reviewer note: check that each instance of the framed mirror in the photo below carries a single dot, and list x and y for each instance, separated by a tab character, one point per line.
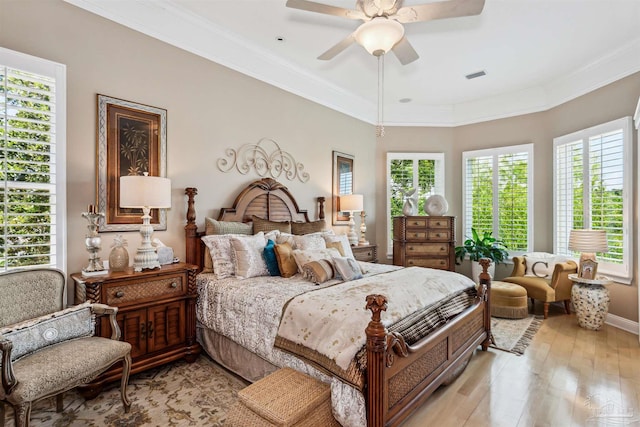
342	184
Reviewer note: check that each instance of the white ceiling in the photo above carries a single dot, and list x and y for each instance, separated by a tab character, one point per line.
536	53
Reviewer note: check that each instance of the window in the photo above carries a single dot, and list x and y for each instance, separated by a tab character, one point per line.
32	162
498	194
423	171
593	190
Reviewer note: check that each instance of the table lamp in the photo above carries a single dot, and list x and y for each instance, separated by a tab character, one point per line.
352	203
588	242
146	193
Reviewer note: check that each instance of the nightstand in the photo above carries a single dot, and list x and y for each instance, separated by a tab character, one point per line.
156	314
591	300
367	253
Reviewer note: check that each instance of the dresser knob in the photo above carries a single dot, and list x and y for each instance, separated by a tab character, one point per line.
415	234
437	234
119	294
174	285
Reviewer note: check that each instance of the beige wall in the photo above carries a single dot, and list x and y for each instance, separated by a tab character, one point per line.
211	108
611	102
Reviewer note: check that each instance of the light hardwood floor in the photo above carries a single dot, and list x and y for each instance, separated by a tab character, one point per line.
568	376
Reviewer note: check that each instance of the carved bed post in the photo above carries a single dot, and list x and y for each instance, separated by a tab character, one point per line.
376	352
191	229
321	200
484	290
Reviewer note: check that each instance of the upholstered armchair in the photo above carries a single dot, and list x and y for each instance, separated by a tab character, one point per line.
45	349
545	277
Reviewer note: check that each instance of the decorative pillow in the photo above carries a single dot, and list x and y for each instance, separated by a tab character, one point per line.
337	246
269	255
285	238
212	226
247	253
347	268
221	254
541	264
341	239
34	334
261	224
318	271
305	257
313	241
286	263
307	227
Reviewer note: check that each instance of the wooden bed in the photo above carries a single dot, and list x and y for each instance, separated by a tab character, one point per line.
399	377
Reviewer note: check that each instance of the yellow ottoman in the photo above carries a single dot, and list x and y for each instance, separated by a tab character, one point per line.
508	300
285	398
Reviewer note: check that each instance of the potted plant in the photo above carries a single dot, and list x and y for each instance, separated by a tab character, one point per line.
482	246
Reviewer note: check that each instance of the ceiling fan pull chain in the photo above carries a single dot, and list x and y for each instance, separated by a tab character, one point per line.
380	125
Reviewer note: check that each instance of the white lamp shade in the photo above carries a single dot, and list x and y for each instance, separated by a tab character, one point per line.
591	241
352	202
379	35
145	191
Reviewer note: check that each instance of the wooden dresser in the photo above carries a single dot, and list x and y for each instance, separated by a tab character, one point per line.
424	241
156	315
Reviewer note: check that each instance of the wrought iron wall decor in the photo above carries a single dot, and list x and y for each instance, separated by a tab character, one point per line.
266	158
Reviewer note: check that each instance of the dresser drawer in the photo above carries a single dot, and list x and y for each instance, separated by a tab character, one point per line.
365	254
416	223
439	235
420	235
439	263
439	222
121	294
427	249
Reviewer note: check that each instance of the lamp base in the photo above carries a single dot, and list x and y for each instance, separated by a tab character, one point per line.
146	257
352	236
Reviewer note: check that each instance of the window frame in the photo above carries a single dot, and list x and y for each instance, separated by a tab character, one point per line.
621	273
438	157
495	153
31	64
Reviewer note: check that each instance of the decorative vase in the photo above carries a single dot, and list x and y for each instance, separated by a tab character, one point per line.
119	257
410	207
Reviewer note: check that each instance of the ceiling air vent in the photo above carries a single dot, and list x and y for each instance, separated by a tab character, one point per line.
475	75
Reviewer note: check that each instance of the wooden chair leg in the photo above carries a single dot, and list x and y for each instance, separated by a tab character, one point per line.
567	306
126	369
59	402
546	310
1	414
22	414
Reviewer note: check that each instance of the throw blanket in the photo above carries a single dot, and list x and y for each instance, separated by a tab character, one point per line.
327	326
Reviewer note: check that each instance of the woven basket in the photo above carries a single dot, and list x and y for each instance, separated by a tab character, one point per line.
285	398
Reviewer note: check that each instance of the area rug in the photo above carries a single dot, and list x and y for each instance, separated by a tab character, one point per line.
514	335
177	394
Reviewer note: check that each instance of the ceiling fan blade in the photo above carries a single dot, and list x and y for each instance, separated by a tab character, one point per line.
439	10
337	48
326	9
405	53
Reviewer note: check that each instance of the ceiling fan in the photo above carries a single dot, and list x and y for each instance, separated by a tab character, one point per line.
382	29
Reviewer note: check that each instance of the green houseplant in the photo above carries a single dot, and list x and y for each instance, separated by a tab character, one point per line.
482	246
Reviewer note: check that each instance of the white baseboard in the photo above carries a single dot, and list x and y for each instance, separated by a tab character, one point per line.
622	323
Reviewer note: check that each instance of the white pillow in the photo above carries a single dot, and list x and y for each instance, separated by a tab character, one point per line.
303	257
344	242
541	264
348	268
221	254
247	255
313	241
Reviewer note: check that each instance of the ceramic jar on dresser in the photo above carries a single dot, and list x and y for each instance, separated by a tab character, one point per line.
424	241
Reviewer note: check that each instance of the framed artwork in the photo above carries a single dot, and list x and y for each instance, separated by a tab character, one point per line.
588	269
132	140
342	184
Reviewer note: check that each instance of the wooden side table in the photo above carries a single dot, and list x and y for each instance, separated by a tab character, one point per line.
156	314
590	299
367	253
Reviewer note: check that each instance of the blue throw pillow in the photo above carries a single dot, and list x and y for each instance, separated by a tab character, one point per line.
269	255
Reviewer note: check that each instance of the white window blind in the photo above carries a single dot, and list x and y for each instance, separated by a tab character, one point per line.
592	172
423	171
498	194
32	164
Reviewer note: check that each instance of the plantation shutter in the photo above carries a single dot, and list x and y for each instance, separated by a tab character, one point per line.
30	164
498	194
592	177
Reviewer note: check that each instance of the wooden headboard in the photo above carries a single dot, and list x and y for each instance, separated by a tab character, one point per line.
265	198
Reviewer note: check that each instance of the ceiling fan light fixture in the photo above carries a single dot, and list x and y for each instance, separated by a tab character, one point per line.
379	35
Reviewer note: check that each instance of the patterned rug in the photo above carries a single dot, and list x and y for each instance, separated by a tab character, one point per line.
514	335
177	394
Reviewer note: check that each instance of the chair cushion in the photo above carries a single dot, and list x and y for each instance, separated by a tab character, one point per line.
34	334
537	288
63	366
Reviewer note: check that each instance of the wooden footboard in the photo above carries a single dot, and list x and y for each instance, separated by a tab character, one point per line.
401	377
